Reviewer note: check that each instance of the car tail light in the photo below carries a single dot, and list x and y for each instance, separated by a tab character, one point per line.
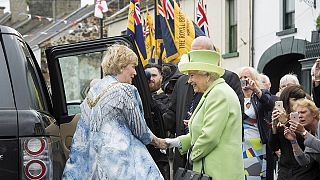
35	169
34	146
36	158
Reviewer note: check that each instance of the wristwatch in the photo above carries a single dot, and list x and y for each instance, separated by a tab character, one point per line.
304	133
294	141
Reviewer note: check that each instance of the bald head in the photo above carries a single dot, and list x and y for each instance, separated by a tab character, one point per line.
201	43
265	81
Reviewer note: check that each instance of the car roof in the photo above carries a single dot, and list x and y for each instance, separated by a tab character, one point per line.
6	29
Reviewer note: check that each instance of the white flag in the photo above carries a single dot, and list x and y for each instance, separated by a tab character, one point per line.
100	8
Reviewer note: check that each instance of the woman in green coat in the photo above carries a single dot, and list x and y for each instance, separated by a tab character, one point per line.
215	126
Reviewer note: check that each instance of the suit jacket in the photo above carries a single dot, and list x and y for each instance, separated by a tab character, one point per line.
181	98
215	133
316	95
232	79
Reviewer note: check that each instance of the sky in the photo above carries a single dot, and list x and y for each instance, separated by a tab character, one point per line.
6	4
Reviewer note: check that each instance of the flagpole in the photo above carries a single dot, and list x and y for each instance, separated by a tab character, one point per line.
208	22
155	33
101	28
101	7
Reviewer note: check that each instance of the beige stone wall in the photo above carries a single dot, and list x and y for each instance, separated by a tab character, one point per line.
17	7
53	8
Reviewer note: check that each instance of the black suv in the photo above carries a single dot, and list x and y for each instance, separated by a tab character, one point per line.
37	125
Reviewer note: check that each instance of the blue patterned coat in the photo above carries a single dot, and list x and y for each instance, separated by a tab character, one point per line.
110	139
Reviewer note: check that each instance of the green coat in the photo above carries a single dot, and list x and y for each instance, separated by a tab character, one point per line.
216	132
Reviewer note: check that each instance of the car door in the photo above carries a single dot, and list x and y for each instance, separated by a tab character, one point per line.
71	68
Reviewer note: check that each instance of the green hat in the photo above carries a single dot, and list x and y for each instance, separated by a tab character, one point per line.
201	60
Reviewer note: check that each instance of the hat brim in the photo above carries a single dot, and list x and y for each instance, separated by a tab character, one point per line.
200	66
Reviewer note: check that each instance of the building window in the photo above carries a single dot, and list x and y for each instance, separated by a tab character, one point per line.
288	14
233	26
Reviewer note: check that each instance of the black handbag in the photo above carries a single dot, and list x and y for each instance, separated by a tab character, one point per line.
185	173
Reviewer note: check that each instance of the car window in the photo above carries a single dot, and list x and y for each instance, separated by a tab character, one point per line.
77	72
33	81
6	97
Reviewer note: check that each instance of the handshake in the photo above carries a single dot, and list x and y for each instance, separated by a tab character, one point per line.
166	143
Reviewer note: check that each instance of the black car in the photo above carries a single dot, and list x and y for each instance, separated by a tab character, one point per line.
37	124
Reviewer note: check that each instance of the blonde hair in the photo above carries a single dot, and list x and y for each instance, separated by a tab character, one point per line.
308	104
116	58
254	75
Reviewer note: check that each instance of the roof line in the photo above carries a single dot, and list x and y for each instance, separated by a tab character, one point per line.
66	27
22	23
58	22
5	17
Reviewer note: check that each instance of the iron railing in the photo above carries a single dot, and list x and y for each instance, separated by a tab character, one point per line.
312	49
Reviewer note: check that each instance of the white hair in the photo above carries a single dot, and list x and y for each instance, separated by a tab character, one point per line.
289	77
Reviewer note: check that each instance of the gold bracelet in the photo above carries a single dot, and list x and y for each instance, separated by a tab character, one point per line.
304	133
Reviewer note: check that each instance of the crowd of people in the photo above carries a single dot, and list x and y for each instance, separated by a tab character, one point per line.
226	123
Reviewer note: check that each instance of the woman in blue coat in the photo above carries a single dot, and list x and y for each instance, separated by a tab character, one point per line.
110	139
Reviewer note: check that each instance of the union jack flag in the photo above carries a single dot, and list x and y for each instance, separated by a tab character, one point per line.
100	8
135	28
202	20
146	31
137	16
168	8
160	9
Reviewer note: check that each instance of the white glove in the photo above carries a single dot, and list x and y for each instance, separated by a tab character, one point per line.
173	142
163	151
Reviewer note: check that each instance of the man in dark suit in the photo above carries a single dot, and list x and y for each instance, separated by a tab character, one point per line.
160	102
184	100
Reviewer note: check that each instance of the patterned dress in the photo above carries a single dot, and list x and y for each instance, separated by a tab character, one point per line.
254	152
110	139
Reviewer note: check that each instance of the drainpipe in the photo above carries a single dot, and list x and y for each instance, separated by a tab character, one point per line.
54	10
251	59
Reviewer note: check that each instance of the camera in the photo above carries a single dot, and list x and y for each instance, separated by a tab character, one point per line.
243	82
148	75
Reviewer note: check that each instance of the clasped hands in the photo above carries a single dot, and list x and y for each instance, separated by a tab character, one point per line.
166	143
295	127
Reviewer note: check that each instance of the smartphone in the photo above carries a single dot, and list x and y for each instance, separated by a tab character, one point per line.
294	116
243	83
278	105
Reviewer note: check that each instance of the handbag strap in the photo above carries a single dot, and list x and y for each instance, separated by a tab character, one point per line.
186	166
188	160
202	168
